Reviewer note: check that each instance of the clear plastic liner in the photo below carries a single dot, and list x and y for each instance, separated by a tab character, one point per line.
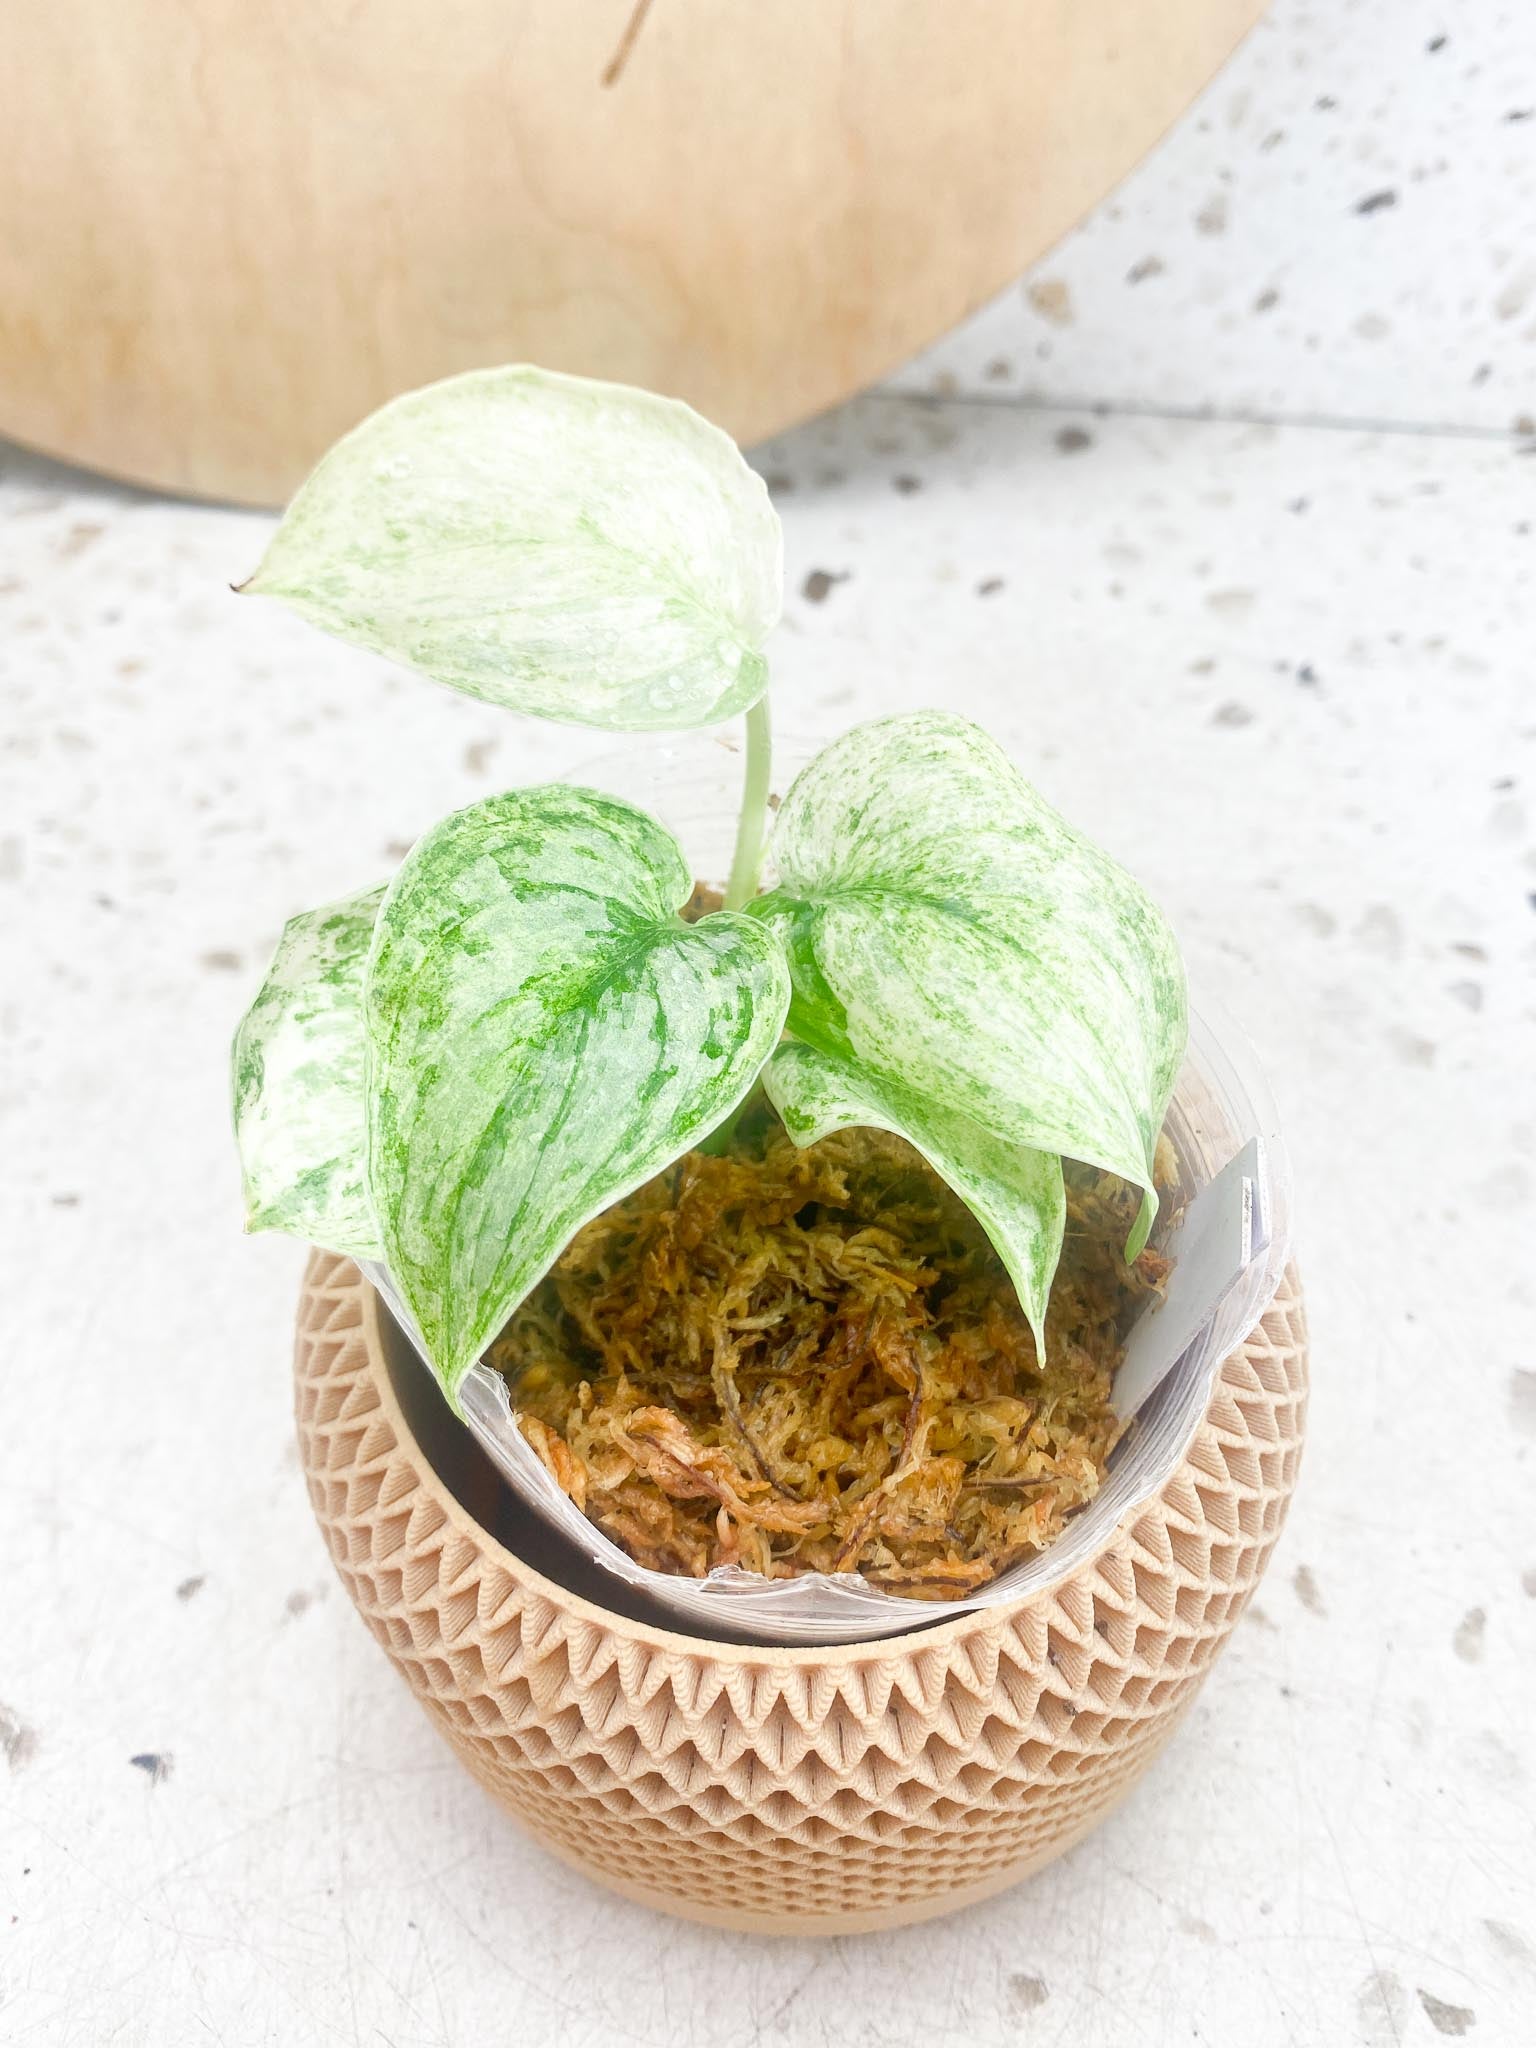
1221	1106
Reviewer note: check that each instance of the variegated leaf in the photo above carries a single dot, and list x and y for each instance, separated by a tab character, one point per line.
1014	1193
545	1034
583	551
951	933
300	1120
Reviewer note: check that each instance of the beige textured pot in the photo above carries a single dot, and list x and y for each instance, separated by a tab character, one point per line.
781	1790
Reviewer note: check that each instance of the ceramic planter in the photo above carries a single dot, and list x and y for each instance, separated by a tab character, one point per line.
829	1789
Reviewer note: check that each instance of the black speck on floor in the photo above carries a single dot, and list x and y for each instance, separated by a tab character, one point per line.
18	1742
1376	202
190	1588
1435	43
906	485
1470	1634
154	1763
1412	1049
818	585
1445	2018
1520	114
1308	1592
1307	674
1073	440
989	586
1027	1993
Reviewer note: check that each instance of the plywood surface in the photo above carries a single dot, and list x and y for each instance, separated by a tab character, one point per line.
227	232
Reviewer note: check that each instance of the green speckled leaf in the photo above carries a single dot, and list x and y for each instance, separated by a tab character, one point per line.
583	551
546	1034
1014	1193
948	931
299	1055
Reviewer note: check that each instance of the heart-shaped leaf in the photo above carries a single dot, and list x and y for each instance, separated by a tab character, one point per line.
583	551
299	1055
545	1034
950	933
1014	1193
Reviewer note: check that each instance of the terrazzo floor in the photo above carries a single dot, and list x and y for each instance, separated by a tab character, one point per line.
1285	673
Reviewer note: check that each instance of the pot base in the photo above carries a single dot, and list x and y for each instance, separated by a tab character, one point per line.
767	1789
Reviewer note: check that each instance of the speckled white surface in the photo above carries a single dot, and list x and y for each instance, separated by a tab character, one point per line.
1341	228
1286	672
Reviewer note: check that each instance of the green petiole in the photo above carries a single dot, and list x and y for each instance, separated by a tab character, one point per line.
460	1069
752	825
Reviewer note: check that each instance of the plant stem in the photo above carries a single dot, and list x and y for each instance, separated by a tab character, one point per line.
751	838
752	826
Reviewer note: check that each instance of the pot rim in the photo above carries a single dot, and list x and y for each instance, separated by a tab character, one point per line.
1220	1086
937	1634
1220	1101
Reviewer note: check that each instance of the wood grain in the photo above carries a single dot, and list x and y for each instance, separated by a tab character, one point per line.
227	232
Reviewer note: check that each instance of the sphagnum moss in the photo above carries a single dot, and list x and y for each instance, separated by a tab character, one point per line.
811	1360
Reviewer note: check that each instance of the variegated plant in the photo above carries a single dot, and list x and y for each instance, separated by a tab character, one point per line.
457	1070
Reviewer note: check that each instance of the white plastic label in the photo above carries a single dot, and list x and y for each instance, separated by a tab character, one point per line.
1220	1233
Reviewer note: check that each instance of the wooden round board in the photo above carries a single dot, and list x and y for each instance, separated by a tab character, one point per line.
227	232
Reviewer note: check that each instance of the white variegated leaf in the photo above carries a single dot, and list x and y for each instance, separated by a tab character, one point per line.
545	1034
1014	1193
300	1119
951	933
583	551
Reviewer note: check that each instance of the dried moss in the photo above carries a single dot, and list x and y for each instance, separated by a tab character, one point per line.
813	1361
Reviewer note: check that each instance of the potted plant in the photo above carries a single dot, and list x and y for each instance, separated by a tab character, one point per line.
754	1196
